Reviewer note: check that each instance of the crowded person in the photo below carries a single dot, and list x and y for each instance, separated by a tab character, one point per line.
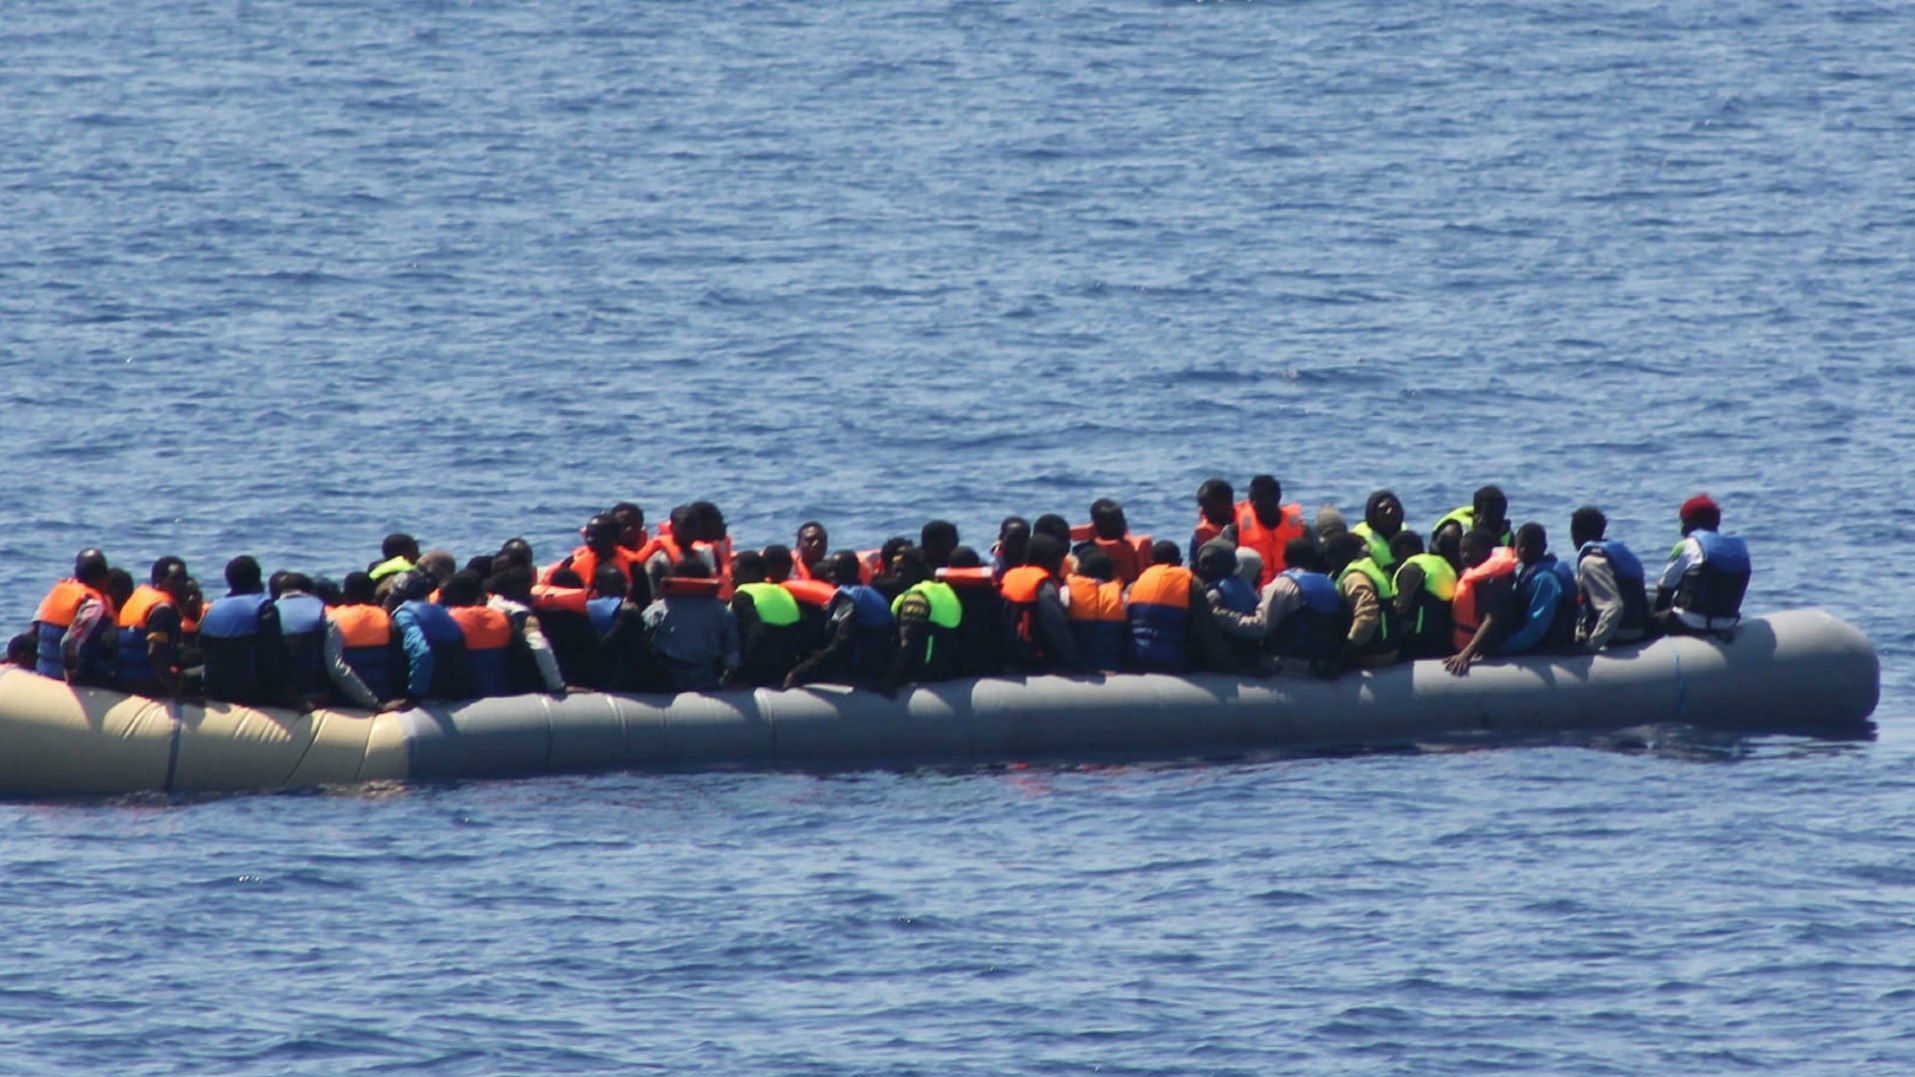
430	641
1231	595
984	633
1485	609
397	553
74	627
1487	510
813	543
487	634
1371	639
1610	584
1045	643
245	659
1008	552
770	622
367	644
532	663
1110	531
1172	629
1701	588
316	666
1424	584
1094	603
693	629
927	614
859	631
936	540
1216	514
1546	590
150	634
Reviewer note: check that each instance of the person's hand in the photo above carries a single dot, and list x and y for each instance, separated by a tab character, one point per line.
1459	663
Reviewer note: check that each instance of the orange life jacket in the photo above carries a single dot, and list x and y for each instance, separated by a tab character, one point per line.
62	603
144	598
1269	541
968	577
816	593
1019	588
361	626
547	597
485	628
1463	612
1095	600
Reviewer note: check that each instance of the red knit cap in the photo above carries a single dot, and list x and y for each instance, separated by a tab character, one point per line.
1701	507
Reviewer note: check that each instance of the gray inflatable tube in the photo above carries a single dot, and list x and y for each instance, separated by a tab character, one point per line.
1801	670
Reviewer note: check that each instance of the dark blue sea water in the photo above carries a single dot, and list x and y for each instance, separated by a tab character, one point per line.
278	279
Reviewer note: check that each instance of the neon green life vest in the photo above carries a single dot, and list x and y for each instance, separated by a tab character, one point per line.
387	567
1379	546
775	605
1385	591
1439	576
946	611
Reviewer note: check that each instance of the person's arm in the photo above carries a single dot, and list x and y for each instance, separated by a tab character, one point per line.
1460	662
728	643
1409	583
341	674
914	628
86	620
1057	627
1679	565
543	656
1231	623
1596	579
163	633
1207	647
1545	592
419	658
840	631
1366	613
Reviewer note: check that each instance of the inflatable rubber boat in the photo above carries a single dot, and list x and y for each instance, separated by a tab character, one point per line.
1799	671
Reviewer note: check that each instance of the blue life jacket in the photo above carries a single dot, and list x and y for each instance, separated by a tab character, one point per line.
1631	583
1238	595
1562	623
603	611
237	667
1714	586
131	666
873	639
1318	629
442	634
302	626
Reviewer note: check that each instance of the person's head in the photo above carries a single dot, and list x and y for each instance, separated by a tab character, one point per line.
1216	561
439	565
748	567
965	557
1532	542
1249	564
566	577
356	589
1013	539
90	567
1217	501
1107	519
515	582
703	523
243	576
409	586
400	544
1404	545
1340	551
631	524
23	650
1587	525
1045	552
167	567
1330	523
844	569
481	566
609	582
813	542
888	552
327	590
1475	546
1491	508
192	601
936	541
777	563
1301	553
1265	495
1055	526
515	551
119	586
912	567
1165	552
600	534
1448	544
287	583
1701	513
1384	513
276	583
1096	564
462	589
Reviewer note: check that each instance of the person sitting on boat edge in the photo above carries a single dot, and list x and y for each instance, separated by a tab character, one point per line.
245	658
532	663
1371	639
1172	629
858	632
1484	610
1546	592
1032	590
984	636
1424	584
1230	594
315	648
928	614
1701	589
1094	603
694	630
367	642
431	642
74	627
769	622
151	635
1610	586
